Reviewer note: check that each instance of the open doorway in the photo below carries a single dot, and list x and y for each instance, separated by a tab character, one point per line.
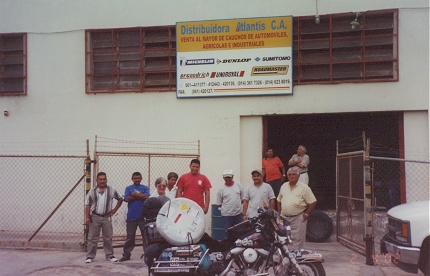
319	132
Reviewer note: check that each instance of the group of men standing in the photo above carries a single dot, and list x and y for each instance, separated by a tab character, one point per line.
98	211
294	199
99	201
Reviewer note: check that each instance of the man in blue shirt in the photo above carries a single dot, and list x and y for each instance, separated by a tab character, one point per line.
134	195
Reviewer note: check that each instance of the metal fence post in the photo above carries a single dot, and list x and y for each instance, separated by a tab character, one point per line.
87	189
368	195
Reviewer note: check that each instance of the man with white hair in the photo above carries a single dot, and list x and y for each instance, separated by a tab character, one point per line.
296	201
300	162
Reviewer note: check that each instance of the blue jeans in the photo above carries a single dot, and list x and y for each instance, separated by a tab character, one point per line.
229	221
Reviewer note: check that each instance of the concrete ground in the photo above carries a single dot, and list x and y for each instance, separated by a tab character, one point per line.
339	260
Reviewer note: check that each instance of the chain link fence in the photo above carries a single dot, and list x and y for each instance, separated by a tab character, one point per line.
370	181
350	204
396	181
43	197
119	159
119	168
42	201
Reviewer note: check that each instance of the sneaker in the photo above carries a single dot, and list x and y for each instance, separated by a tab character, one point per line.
88	260
113	259
123	259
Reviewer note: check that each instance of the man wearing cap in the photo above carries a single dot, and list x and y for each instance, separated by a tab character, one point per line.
258	195
229	197
296	201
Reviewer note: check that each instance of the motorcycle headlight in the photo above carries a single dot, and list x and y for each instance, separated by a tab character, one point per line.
238	242
245	242
250	243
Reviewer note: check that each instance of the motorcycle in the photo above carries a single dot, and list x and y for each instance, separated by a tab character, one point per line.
253	247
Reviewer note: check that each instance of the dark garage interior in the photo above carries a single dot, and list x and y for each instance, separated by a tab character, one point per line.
319	133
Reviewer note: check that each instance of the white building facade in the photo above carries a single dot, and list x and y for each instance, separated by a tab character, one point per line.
58	105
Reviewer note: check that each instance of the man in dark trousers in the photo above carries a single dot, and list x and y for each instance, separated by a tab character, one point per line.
135	195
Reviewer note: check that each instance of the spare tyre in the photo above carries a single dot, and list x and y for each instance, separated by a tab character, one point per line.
181	221
319	227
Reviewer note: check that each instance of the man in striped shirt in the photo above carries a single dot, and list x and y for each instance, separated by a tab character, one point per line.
98	213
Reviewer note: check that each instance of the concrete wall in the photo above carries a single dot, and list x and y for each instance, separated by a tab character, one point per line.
230	129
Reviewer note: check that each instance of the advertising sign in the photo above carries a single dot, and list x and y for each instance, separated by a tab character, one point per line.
237	57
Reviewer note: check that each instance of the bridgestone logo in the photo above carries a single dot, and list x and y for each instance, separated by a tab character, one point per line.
269	70
235	74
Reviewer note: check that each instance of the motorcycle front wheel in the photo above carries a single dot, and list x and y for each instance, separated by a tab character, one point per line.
311	269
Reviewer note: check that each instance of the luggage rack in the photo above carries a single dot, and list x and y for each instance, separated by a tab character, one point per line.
174	266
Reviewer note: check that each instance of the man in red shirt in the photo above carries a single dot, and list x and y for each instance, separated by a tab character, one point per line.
195	186
272	167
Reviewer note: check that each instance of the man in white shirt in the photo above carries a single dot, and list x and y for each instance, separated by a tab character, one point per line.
229	198
98	213
258	195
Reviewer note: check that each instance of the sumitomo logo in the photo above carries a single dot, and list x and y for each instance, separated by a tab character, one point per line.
269	70
233	60
200	61
237	74
276	58
198	75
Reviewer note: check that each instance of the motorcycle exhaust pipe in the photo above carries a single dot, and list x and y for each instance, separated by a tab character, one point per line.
227	269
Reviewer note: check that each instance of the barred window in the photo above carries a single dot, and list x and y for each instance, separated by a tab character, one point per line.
336	50
131	60
13	69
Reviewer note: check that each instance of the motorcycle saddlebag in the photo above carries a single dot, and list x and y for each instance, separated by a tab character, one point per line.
151	234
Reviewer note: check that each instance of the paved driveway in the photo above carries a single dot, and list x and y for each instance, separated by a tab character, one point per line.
338	261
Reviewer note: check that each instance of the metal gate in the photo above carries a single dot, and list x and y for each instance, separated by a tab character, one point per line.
350	203
366	188
153	159
354	196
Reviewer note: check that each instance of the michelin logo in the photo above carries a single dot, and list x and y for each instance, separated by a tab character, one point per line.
201	61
